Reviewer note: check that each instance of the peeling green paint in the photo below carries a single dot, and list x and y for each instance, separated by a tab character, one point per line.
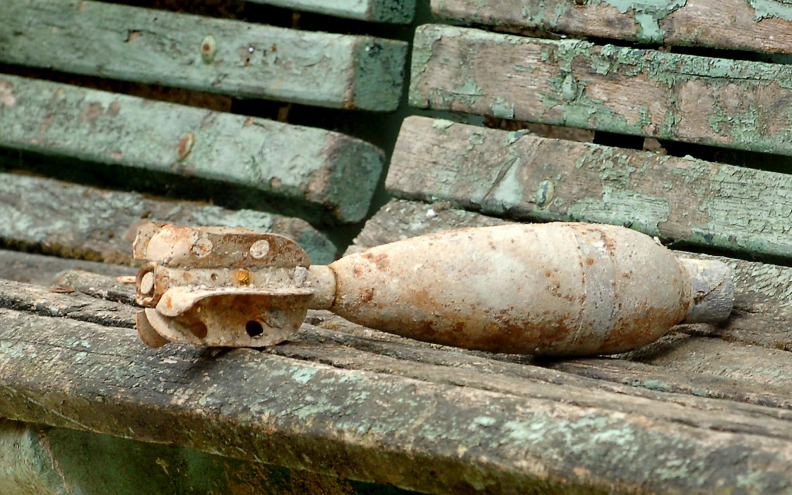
326	172
647	14
513	136
306	67
442	123
671	96
75	221
503	109
641	21
688	201
468	93
780	9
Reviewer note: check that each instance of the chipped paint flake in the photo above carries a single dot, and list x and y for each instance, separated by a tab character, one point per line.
764	9
7	96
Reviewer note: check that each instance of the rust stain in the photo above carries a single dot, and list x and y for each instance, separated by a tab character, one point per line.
114	109
91	112
242	277
208	48
199	329
379	260
366	294
133	35
185	146
7	96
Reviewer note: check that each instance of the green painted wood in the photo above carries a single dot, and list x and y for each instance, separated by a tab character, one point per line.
518	175
221	56
694	363
493	434
325	171
755	25
729	103
390	11
36	460
75	221
43	270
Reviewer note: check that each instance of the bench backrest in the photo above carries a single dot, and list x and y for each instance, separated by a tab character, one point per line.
326	176
571	77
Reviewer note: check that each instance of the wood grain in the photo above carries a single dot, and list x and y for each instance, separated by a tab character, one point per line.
201	53
464	422
74	221
43	270
703	100
36	460
517	175
326	171
730	24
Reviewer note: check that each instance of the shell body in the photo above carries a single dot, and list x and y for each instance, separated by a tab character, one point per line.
544	289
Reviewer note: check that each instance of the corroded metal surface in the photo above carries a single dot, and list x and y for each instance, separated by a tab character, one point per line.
552	289
219	286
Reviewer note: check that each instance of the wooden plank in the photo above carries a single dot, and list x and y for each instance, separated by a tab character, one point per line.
43	270
340	342
94	285
671	365
689	363
75	221
685	201
426	434
74	306
205	54
729	103
763	291
731	24
36	460
323	170
390	11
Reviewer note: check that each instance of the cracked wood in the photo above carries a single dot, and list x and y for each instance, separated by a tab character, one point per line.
253	405
325	171
74	221
703	100
216	55
514	174
730	24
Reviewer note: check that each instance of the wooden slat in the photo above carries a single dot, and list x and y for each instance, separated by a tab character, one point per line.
410	414
36	460
43	270
326	171
391	11
75	221
703	100
731	24
763	291
514	174
152	46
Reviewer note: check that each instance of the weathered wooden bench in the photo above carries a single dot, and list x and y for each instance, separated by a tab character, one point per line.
323	170
340	408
